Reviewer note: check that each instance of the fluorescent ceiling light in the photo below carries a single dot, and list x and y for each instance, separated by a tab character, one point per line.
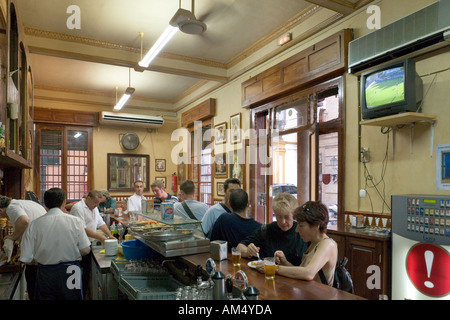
157	47
124	98
77	135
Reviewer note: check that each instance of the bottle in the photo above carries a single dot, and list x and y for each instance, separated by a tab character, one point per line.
114	230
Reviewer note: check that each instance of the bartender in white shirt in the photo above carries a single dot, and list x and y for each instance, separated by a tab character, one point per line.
87	210
134	203
56	241
21	213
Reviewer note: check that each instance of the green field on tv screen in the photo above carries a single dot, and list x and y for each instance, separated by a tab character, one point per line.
385	92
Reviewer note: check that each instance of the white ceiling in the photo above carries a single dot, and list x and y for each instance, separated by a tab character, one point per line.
102	54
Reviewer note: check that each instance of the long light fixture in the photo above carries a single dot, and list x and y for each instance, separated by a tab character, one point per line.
157	47
126	96
183	20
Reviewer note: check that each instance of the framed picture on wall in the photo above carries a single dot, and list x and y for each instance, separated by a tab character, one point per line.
235	128
220	133
220	165
220	189
163	180
160	165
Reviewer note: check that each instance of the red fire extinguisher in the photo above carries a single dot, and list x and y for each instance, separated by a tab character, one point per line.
174	182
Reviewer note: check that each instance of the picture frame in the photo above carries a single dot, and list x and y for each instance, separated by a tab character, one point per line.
220	187
237	165
163	180
124	169
181	167
220	165
235	128
220	133
160	165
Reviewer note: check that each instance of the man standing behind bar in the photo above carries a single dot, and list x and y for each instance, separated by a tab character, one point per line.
87	210
56	241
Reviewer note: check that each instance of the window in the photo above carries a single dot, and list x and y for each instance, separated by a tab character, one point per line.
306	145
64	159
201	162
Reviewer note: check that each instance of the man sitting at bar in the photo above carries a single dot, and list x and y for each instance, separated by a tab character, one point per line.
279	235
134	203
189	208
216	210
236	226
161	195
108	203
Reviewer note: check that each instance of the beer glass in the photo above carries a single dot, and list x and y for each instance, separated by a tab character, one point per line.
269	268
236	256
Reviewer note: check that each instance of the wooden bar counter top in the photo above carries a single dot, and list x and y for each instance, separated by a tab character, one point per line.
282	288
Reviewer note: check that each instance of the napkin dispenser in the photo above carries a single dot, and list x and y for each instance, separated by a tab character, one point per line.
219	250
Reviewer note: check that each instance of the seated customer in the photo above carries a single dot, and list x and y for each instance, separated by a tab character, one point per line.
235	226
216	210
134	203
279	235
189	208
108	203
161	195
312	219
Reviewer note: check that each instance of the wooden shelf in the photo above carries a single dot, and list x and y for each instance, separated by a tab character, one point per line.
407	118
400	119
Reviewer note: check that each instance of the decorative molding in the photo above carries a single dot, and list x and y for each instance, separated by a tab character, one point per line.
289	25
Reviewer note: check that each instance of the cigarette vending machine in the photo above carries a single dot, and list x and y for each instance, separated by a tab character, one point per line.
420	247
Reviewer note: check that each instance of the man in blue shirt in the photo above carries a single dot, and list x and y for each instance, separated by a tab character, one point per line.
189	208
216	210
236	226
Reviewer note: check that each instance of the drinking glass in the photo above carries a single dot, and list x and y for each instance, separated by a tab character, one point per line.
269	268
236	256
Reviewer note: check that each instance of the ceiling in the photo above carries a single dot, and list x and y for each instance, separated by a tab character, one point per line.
103	53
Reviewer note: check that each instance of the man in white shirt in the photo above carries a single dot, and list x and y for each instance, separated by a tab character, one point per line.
56	241
134	203
21	213
195	208
87	210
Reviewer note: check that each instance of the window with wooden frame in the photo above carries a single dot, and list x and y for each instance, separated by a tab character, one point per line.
303	136
63	159
200	166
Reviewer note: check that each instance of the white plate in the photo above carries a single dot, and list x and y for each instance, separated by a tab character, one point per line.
253	266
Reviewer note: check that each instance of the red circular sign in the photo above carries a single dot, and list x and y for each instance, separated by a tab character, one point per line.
428	269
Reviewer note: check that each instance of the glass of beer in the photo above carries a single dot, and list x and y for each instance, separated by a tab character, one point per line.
269	268
236	257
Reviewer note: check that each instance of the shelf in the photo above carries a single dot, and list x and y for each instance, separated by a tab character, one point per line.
400	119
407	118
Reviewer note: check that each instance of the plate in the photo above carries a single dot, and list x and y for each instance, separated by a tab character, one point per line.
252	264
168	235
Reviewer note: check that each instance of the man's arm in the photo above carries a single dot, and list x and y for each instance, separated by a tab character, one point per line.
19	227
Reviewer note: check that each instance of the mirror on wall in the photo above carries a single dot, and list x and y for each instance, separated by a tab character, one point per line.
125	169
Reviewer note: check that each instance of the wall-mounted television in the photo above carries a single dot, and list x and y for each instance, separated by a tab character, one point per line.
390	89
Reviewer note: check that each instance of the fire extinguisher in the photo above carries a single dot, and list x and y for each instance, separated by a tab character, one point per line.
174	182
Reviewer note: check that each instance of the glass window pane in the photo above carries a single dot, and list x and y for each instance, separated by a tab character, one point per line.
328	173
328	105
292	115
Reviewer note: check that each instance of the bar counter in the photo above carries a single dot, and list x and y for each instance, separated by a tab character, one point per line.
282	288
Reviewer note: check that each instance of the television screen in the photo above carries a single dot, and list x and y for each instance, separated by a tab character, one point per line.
385	87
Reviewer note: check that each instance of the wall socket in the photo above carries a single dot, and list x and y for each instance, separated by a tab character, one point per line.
364	155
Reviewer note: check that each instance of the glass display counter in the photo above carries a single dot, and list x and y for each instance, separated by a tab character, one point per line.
169	237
